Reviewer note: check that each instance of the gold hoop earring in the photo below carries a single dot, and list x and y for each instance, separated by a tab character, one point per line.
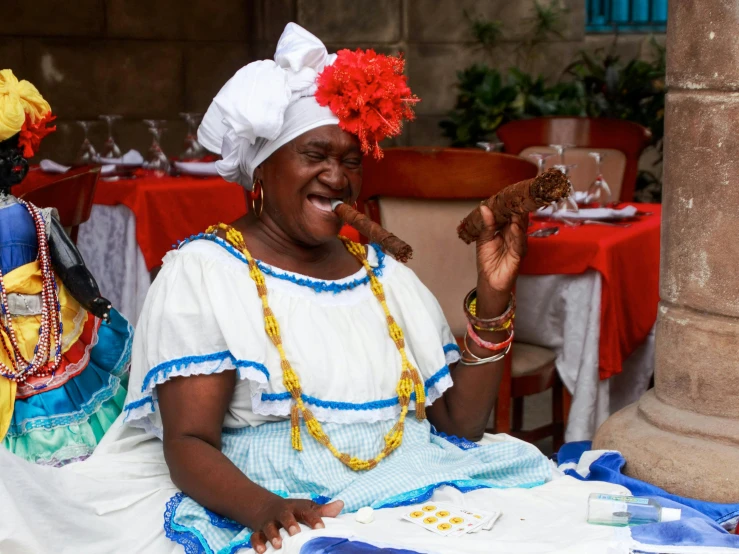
257	184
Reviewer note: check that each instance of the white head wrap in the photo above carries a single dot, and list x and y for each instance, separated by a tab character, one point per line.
266	105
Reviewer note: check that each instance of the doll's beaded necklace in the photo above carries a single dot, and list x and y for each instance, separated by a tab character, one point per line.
50	329
409	382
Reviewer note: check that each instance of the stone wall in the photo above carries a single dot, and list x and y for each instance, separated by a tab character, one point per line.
156	58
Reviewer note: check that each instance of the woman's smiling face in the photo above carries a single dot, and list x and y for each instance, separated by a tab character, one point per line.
302	177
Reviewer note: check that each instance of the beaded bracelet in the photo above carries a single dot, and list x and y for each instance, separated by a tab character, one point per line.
493	346
482	361
500	323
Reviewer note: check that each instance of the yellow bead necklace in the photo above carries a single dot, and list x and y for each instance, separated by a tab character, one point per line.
409	381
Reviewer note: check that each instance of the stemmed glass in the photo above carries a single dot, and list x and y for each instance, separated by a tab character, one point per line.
599	193
157	161
560	150
567	204
193	150
540	158
490	146
110	149
86	154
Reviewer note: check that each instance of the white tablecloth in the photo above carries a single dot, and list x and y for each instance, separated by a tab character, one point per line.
561	312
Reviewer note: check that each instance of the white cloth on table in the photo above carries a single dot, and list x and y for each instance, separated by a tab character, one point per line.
107	242
562	312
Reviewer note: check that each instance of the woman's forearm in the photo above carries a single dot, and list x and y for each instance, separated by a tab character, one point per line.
465	408
204	473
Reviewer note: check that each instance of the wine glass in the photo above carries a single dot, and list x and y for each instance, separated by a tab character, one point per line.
86	154
560	150
567	204
193	150
599	193
157	161
540	158
110	149
490	146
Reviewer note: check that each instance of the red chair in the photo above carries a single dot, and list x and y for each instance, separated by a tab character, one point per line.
600	134
421	194
72	196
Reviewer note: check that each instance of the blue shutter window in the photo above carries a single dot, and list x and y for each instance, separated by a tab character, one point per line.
626	16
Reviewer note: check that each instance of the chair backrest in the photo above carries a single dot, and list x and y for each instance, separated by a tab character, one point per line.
421	194
72	196
587	134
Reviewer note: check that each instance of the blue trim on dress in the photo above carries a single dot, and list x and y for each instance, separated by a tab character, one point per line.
138	403
459	442
364	406
190	538
318	285
423	494
451	348
72	414
223	522
165	368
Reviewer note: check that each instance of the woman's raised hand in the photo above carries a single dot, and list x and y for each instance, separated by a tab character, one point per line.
499	256
287	513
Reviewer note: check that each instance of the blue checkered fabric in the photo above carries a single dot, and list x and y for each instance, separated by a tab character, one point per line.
421	464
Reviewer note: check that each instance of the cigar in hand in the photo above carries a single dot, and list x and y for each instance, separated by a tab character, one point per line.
520	198
372	231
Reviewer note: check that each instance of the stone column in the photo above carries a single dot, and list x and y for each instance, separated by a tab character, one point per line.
684	434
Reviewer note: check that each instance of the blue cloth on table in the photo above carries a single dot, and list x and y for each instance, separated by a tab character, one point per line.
336	545
700	523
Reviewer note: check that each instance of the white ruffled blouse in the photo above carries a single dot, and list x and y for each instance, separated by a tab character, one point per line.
203	315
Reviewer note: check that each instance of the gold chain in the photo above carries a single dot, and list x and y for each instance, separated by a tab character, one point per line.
409	382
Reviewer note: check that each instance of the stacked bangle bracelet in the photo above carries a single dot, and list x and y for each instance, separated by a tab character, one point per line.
503	322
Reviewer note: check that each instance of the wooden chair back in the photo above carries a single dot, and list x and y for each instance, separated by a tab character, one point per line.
586	134
421	194
72	196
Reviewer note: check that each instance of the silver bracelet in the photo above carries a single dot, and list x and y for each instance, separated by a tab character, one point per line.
483	361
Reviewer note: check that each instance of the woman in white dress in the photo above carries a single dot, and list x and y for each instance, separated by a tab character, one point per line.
274	364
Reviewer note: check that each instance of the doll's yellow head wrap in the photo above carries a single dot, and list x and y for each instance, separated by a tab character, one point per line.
22	110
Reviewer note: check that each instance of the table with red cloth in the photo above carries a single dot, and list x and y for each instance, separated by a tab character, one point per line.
136	221
590	293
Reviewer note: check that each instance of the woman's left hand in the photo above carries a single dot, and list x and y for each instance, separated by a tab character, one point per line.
499	258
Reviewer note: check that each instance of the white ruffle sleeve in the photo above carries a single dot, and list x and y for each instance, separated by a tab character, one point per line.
203	315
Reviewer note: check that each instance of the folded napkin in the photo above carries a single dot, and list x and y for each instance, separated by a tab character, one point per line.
130	158
592	213
50	166
202	169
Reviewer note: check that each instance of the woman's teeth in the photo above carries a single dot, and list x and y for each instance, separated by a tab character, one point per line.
320	202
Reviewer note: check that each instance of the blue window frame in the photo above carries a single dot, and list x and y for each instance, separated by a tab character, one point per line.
629	16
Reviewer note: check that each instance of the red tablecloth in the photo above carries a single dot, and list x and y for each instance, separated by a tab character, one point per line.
167	209
628	261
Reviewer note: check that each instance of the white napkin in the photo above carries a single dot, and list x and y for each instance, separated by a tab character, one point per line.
202	169
592	213
580	196
130	158
49	166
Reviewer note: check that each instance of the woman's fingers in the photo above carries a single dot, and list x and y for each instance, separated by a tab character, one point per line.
258	542
289	522
310	516
272	532
332	509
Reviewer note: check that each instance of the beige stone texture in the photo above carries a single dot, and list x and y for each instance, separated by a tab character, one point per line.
378	21
684	435
704	50
706	383
682	460
207	68
174	19
81	18
85	79
700	192
449	20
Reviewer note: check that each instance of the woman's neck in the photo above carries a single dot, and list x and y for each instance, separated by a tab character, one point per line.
269	243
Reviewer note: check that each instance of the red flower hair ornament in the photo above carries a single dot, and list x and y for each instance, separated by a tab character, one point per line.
369	94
